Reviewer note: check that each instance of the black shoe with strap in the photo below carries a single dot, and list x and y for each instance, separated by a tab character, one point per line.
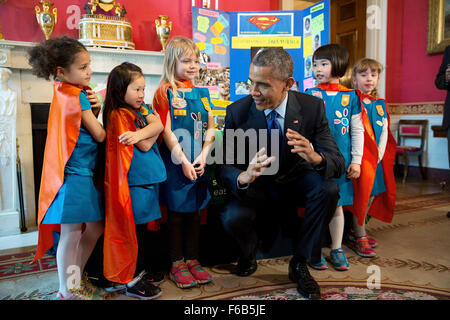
246	266
306	285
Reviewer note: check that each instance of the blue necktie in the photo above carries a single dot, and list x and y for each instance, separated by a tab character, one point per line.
273	124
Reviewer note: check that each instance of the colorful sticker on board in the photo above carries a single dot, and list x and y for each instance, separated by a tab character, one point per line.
202	24
345	100
223	21
380	110
216	28
217	40
220	50
225	39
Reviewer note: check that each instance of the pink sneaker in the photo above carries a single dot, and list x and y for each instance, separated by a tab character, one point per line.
362	247
372	242
201	275
182	277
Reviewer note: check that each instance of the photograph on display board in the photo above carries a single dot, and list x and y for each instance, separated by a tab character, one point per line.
308	67
316	41
307	26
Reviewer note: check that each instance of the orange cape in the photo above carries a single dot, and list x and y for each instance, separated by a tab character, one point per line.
382	207
64	121
362	186
120	244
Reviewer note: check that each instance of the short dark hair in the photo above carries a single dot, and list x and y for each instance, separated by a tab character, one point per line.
277	58
338	56
48	55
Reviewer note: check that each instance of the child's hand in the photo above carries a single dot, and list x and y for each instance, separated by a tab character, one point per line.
130	137
189	171
93	99
353	171
199	164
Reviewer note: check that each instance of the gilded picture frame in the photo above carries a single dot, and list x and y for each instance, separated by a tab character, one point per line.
438	26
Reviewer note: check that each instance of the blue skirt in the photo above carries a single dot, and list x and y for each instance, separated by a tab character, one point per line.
145	203
77	201
345	190
378	184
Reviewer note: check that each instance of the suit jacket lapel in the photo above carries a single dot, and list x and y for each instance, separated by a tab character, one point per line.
256	119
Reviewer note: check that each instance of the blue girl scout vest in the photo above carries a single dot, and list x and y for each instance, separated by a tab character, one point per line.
189	119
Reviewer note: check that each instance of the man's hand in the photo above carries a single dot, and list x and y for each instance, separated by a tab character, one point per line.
353	171
303	147
256	167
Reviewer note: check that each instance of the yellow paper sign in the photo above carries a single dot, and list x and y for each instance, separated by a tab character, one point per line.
248	42
217	40
307	46
221	103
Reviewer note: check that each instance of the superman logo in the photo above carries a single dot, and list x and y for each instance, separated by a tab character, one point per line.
264	22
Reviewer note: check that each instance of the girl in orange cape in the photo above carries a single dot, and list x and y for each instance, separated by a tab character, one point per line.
68	199
133	170
352	132
365	76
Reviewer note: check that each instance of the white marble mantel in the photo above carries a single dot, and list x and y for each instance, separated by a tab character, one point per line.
30	89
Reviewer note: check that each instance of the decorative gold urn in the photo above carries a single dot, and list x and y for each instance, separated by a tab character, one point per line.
46	19
163	29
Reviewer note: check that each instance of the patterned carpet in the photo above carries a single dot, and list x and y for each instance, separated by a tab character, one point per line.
413	263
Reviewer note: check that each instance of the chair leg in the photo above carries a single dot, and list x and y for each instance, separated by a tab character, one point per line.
405	168
422	169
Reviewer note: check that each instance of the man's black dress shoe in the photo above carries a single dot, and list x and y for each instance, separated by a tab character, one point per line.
306	285
246	267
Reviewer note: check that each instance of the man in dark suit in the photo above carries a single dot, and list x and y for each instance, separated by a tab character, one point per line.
443	82
266	189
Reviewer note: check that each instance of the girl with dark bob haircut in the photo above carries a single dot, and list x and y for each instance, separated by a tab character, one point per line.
337	55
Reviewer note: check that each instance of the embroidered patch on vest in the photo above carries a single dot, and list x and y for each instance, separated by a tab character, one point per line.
206	104
345	100
380	110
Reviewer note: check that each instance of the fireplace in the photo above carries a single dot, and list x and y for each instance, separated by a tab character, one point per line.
30	121
39	120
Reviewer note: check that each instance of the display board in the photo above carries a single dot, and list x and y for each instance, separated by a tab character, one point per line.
229	40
